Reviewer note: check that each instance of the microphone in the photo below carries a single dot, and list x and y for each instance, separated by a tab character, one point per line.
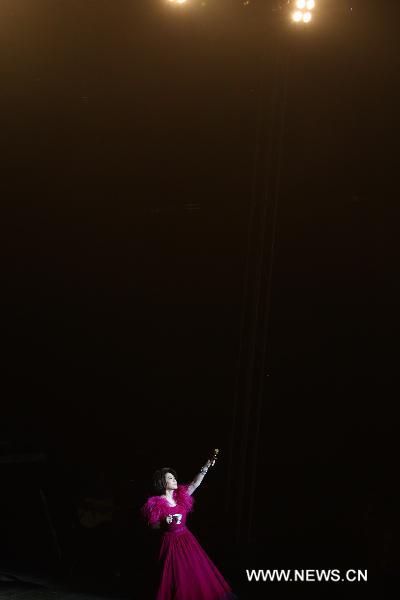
214	457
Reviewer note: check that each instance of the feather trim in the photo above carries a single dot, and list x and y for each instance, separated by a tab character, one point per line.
182	497
152	511
157	508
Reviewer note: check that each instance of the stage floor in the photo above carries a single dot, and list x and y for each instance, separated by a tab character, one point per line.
30	586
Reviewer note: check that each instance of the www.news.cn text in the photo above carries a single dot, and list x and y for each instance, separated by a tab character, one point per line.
307	575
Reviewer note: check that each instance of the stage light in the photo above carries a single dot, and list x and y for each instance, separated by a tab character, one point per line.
302	12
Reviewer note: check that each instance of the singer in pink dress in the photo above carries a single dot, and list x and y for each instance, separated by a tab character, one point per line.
187	573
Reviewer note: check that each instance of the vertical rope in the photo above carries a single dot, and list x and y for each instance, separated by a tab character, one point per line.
246	278
266	329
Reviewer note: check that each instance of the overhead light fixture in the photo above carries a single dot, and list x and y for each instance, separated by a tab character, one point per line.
302	12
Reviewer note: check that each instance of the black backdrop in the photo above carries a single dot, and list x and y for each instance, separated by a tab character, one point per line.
128	140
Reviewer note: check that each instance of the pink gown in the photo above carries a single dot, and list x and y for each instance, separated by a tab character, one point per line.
187	573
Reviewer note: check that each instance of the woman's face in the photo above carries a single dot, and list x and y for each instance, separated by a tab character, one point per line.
170	482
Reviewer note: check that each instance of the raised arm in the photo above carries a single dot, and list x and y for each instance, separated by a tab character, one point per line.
199	478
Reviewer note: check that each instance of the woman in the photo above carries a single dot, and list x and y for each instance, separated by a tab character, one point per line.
187	573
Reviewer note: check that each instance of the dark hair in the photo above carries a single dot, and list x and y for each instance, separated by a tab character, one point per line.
159	482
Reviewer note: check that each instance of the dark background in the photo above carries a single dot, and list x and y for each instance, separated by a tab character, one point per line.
128	135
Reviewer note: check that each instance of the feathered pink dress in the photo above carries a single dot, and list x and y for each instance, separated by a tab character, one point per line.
187	573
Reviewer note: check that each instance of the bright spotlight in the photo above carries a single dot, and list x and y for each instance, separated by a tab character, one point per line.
301	4
297	16
180	1
307	17
310	4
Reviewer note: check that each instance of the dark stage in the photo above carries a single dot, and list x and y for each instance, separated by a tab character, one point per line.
199	232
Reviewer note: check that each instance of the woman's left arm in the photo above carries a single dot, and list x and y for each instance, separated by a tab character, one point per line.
199	478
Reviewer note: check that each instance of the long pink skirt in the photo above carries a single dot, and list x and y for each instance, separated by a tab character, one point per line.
187	571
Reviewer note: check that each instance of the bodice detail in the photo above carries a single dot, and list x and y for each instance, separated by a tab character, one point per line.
157	508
